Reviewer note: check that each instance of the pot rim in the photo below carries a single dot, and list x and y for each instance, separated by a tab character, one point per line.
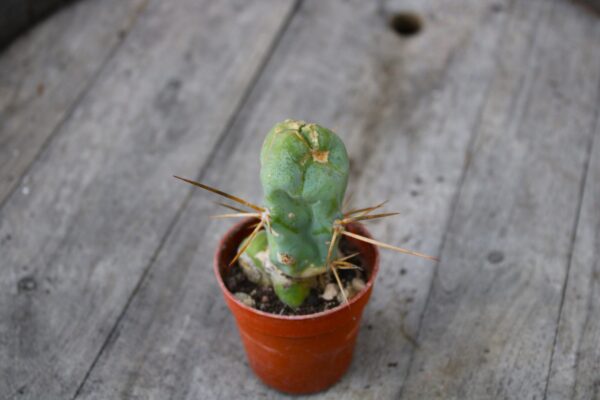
240	225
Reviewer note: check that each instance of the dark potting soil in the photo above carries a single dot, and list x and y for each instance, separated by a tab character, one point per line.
266	300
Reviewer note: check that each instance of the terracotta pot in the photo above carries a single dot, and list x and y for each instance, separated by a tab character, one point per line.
297	354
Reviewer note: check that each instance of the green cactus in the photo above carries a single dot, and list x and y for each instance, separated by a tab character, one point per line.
304	173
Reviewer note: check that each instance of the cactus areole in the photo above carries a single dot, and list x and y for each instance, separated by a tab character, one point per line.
304	173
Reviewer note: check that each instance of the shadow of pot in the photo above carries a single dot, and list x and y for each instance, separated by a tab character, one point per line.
297	354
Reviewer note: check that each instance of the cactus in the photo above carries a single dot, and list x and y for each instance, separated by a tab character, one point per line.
304	173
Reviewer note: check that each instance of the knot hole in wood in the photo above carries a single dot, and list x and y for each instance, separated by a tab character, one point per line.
405	23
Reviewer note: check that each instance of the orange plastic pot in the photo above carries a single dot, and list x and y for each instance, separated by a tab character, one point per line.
297	354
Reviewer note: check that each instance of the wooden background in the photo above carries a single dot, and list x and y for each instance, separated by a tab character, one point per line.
482	129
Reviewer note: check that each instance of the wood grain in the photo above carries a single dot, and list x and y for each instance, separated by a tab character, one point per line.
407	115
44	75
489	325
576	359
100	198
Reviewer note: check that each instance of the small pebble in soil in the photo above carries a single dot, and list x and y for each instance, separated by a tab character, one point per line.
358	284
330	292
245	298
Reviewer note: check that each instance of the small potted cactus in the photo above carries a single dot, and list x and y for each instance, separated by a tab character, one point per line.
298	271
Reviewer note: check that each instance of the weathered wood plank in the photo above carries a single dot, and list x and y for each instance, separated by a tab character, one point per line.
576	359
45	73
99	198
489	325
407	114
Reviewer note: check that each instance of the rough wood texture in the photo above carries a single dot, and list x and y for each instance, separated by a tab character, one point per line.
478	129
489	325
576	361
407	116
45	74
99	200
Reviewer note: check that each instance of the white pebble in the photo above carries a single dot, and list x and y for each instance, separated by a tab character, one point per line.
331	290
245	299
358	284
25	190
349	294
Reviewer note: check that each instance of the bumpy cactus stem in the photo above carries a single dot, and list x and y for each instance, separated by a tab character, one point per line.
304	173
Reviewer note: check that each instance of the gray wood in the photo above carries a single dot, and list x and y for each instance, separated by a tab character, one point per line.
490	322
100	198
576	358
44	74
407	115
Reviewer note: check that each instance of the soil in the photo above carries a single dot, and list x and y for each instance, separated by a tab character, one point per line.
266	300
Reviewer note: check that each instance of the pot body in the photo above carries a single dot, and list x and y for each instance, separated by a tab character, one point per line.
297	354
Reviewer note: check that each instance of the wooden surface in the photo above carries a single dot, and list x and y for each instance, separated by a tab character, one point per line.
482	130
